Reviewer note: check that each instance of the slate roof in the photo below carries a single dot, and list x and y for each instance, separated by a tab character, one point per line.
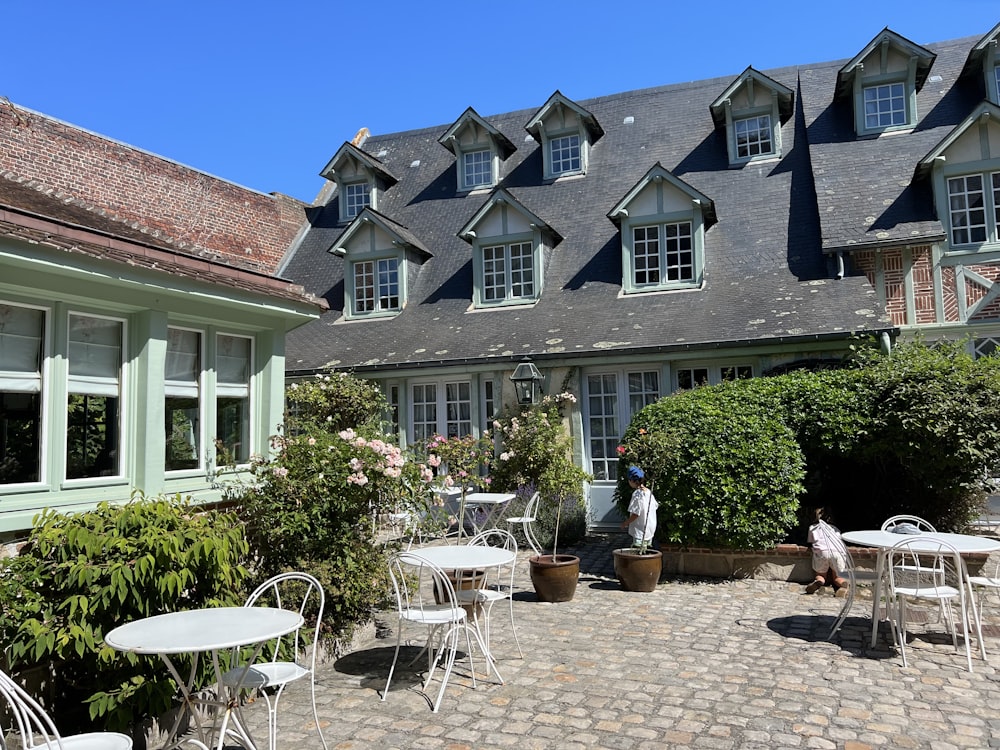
768	274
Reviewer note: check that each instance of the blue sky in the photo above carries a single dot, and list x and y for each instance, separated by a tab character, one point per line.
263	93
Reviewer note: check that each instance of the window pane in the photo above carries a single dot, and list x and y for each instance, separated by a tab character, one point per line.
233	361
183	356
364	287
646	255
20	441
522	270
478	169
753	137
356	196
885	105
602	425
388	284
21	330
232	424
679	257
966	209
182	433
494	274
91	436
95	346
565	153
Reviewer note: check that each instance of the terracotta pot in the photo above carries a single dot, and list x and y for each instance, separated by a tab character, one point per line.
465	580
638	572
554	576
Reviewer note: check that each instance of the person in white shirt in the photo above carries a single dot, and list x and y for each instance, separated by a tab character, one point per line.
641	521
827	558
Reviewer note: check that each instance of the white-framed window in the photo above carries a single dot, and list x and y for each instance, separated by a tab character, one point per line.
376	285
182	391
94	396
357	195
754	137
885	105
508	272
564	154
477	169
440	408
662	253
974	208
996	79
233	367
612	398
986	346
686	378
22	353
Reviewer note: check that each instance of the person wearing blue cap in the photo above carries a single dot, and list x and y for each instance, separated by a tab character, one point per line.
641	521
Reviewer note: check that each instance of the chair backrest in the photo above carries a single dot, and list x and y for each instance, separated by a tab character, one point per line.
299	592
917	521
531	508
30	720
420	586
912	556
495	538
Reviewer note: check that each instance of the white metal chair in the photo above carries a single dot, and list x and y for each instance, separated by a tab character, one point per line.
414	578
497	586
853	575
37	730
905	561
303	593
527	522
983	584
893	521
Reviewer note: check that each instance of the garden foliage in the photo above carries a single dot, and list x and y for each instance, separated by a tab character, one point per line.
83	574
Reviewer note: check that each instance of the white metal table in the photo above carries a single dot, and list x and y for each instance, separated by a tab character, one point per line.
885	540
205	631
490	503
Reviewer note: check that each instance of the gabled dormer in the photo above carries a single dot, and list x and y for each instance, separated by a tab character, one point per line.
509	247
360	178
984	63
480	150
752	109
381	259
882	82
662	222
566	132
964	169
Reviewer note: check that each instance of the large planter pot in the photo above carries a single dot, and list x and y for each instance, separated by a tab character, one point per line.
638	571
463	581
554	576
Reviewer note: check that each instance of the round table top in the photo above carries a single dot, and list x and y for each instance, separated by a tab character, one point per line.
203	630
886	539
465	556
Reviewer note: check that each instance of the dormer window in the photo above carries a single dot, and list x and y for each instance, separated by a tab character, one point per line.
882	82
509	244
382	259
965	172
752	109
480	150
662	221
360	178
983	63
566	132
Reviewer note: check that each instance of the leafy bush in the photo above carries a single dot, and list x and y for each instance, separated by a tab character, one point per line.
537	450
724	471
83	574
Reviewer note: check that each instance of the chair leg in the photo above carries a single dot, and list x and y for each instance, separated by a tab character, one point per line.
517	643
319	729
395	656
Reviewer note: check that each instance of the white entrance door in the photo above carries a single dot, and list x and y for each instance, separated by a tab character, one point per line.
610	400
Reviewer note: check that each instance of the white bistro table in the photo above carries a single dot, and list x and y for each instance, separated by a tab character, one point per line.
885	540
490	503
205	631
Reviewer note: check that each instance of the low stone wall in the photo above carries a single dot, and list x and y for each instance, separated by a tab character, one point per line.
786	562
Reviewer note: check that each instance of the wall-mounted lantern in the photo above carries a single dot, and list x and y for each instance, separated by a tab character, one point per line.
527	382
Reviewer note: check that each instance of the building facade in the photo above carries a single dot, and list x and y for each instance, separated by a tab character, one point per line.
141	320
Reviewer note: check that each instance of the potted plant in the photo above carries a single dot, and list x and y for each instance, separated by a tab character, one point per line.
638	568
537	449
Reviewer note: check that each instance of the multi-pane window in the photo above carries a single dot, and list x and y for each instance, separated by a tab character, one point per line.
232	402
441	409
643	389
609	412
376	285
182	400
94	397
22	338
662	252
736	372
489	404
692	377
478	170
357	195
885	105
996	76
565	154
508	272
986	347
753	137
974	208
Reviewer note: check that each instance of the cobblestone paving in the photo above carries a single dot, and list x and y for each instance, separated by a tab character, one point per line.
695	664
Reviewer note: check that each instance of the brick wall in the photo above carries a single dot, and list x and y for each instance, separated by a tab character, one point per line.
194	212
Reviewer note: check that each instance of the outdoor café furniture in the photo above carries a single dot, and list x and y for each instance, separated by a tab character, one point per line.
37	730
853	576
298	592
489	503
206	632
497	584
885	540
415	581
527	522
906	570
